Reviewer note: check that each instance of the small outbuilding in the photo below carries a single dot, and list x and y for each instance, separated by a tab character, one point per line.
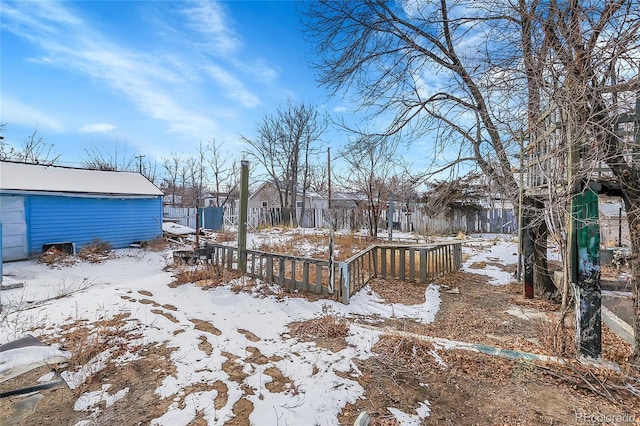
44	205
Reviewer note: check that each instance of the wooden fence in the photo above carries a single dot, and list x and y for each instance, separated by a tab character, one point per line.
408	263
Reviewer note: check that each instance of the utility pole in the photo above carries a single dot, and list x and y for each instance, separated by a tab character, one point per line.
140	157
390	217
329	173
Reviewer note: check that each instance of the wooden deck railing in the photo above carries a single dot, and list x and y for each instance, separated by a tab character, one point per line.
408	263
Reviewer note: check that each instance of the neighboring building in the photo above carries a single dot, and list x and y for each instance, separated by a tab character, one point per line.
220	199
41	205
172	200
264	205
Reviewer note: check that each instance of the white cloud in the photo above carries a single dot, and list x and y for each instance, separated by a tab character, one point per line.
97	128
233	87
141	78
210	20
13	111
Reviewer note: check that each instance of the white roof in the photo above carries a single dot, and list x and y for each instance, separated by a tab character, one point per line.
34	177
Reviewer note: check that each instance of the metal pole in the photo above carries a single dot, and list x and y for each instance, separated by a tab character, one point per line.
242	220
329	173
390	218
620	227
520	196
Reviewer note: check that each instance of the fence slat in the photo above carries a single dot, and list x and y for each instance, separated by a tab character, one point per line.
305	276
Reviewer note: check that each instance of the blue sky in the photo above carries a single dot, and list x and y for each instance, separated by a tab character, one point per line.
148	77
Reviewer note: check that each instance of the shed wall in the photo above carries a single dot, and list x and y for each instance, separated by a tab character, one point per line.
119	221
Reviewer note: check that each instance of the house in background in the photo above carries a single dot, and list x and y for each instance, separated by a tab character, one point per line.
43	205
265	207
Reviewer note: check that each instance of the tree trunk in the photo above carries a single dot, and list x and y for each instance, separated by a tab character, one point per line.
535	235
543	284
633	217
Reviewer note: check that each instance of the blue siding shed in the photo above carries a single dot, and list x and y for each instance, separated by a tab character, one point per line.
45	204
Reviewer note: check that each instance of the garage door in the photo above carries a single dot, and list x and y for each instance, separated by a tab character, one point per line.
14	228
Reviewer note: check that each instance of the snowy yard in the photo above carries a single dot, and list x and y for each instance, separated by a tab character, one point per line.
229	353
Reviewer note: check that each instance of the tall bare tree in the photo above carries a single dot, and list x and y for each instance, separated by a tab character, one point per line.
434	69
481	74
172	166
593	48
284	146
224	172
371	165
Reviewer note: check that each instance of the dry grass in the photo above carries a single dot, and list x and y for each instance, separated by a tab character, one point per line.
156	244
317	245
86	341
226	235
204	275
95	251
328	330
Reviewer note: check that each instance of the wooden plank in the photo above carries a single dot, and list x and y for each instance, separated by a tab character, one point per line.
253	265
305	276
229	258
344	274
318	286
281	271
376	263
412	264
401	263
393	262
423	265
293	283
269	269
383	262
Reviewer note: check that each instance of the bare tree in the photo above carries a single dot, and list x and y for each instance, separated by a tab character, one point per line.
284	147
593	48
565	53
172	166
371	167
319	178
114	161
464	193
34	150
225	173
432	69
197	172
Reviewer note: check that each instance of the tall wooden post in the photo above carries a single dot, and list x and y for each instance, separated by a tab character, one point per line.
331	263
242	220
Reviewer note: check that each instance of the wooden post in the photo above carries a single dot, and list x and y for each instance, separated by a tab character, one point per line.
344	271
331	270
242	220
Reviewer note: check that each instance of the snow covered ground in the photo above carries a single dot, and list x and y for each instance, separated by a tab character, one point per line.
135	282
